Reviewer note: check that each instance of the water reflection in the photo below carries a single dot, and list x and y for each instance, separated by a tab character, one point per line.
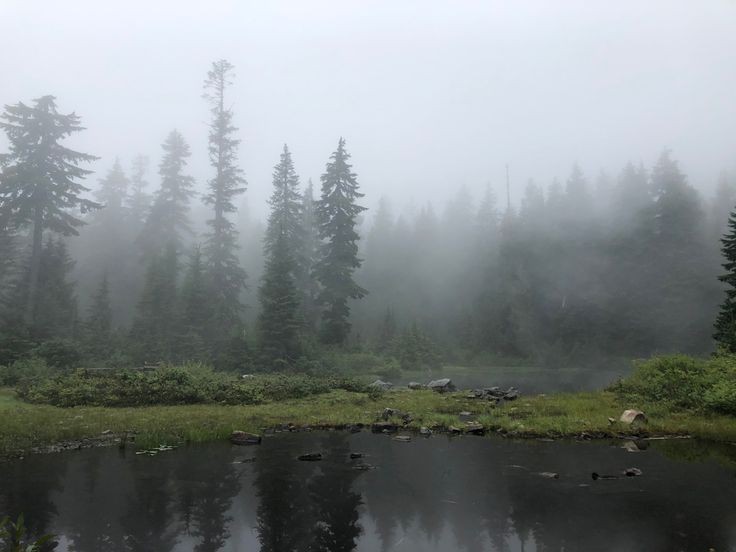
470	494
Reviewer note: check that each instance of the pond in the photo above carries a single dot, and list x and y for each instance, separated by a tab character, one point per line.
431	494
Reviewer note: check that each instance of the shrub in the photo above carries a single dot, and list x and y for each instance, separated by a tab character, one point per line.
60	353
20	370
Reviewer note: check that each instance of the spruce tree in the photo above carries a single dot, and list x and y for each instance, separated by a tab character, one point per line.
139	200
285	201
279	323
168	220
337	212
306	284
98	324
226	277
39	183
56	314
726	321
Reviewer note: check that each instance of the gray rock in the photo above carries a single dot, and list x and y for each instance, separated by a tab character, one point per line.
425	431
442	385
244	438
415	386
633	417
466	416
379	384
402	438
632	472
549	475
310	457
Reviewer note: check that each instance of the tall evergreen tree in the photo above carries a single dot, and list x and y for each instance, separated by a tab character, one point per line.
284	222
227	278
279	323
168	220
39	183
337	211
56	304
726	321
306	284
194	310
139	200
98	324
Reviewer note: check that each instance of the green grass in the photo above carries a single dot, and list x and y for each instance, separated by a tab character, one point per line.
25	426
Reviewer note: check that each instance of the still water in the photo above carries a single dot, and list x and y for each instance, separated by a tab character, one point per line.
436	494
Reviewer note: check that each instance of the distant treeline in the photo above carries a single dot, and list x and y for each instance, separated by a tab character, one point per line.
620	267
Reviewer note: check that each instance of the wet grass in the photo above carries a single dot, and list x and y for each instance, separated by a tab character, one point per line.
25	426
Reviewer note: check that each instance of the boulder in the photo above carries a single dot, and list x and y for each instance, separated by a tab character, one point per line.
511	394
310	457
633	417
442	385
388	412
244	438
415	386
454	430
247	376
383	385
425	431
474	428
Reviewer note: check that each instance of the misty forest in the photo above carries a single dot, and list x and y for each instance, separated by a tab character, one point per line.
370	312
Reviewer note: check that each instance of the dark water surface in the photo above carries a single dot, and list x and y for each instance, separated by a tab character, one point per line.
436	494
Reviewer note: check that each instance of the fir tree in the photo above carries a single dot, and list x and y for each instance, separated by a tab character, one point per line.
337	211
226	277
56	314
139	201
726	321
387	331
39	184
168	220
278	323
98	324
284	221
306	284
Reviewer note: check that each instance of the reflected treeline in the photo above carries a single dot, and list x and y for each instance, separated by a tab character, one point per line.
467	494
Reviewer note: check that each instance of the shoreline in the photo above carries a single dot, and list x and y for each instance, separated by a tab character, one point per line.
34	429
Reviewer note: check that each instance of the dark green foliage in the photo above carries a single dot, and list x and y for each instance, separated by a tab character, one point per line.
387	331
285	202
726	321
337	213
278	322
154	329
29	368
226	277
14	537
307	285
416	351
170	385
194	311
98	324
59	353
168	221
138	200
685	382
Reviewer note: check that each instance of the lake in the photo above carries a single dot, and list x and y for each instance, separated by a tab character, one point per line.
431	494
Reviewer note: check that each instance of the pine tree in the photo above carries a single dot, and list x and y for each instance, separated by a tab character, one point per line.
98	324
726	321
337	211
39	184
279	323
226	277
168	220
194	310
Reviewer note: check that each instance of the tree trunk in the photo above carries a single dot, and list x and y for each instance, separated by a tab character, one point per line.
35	266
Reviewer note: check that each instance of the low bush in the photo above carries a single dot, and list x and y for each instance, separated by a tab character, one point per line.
20	370
685	382
175	385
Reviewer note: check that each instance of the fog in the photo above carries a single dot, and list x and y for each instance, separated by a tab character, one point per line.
430	95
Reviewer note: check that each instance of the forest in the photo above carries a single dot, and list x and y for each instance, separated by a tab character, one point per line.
137	268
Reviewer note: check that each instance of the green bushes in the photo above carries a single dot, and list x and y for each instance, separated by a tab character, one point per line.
685	382
174	385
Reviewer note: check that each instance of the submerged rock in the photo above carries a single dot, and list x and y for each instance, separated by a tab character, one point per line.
597	476
356	455
244	438
310	457
442	385
549	475
402	438
632	472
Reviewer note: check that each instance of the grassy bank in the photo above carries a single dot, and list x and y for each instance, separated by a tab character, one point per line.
26	426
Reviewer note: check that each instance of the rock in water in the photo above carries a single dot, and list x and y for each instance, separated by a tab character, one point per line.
310	457
384	427
632	472
355	455
403	438
441	385
633	417
244	438
549	475
474	428
425	431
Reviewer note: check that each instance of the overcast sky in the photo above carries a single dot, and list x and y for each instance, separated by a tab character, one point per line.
430	95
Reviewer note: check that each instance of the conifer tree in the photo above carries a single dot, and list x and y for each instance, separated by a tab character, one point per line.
39	183
139	200
337	211
279	323
98	324
306	284
168	220
284	222
226	277
194	310
726	321
56	305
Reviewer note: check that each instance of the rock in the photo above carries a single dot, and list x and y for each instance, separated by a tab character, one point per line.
632	472
402	438
454	430
310	457
247	376
493	391
597	476
388	413
363	467
633	417
474	428
384	427
383	385
511	395
416	386
355	455
244	438
354	428
406	418
611	421
425	431
549	475
441	385
465	416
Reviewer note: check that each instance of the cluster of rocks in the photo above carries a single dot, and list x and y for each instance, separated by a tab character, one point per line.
495	394
442	385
